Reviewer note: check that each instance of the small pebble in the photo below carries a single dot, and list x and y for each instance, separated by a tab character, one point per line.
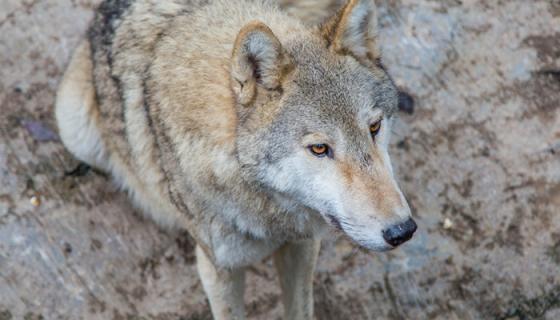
447	223
35	201
39	131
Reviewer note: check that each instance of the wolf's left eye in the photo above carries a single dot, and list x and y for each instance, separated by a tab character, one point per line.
320	150
374	128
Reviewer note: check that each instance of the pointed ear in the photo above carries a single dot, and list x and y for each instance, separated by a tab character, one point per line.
258	61
353	31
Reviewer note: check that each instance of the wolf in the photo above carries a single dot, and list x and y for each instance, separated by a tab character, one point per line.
240	124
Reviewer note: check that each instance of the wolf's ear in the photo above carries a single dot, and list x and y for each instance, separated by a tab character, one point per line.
258	60
353	31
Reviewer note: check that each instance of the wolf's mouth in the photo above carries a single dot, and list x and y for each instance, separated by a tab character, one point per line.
335	222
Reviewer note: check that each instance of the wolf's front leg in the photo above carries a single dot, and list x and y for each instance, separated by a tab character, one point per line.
224	288
295	263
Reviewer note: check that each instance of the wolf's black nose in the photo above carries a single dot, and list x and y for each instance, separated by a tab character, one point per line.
399	233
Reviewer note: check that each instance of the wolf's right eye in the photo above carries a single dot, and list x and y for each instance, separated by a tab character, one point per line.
374	128
319	150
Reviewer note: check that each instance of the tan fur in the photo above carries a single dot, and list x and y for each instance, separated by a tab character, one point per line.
76	104
273	63
311	12
203	111
358	41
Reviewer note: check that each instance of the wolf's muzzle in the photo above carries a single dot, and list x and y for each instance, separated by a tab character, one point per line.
399	233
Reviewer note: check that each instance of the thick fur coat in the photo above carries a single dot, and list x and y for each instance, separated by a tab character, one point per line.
210	115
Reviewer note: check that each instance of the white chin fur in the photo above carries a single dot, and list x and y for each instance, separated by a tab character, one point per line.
375	245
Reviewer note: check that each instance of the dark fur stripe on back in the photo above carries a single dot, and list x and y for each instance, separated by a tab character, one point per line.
107	19
165	149
109	91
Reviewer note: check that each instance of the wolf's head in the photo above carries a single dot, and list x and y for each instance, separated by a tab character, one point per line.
315	116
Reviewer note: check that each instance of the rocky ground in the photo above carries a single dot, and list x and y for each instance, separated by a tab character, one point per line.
478	160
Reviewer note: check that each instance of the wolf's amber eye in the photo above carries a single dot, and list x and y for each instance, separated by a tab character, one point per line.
374	128
320	150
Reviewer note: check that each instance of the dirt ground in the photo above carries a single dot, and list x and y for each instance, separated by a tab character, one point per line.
478	160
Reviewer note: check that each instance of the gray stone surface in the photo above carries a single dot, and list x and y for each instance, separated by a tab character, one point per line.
479	161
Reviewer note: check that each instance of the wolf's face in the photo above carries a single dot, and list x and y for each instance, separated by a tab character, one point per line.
315	121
